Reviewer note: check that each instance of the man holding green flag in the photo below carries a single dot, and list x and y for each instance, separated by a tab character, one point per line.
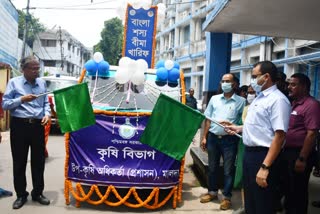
29	113
225	106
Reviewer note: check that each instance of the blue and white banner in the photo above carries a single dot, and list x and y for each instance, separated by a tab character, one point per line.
109	153
139	39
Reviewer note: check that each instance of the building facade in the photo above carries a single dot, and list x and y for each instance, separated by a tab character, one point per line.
60	52
180	37
9	34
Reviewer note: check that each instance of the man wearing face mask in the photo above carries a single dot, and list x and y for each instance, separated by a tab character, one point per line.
222	107
238	181
264	133
251	94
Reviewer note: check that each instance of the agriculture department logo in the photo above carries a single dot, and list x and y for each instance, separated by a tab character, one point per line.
127	130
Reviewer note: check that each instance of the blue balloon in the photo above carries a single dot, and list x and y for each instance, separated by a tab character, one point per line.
162	74
176	65
173	84
91	67
173	75
103	68
160	83
160	64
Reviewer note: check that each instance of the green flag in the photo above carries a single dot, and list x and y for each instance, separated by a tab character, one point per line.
74	109
171	127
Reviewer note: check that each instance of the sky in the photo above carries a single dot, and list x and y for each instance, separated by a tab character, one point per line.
84	25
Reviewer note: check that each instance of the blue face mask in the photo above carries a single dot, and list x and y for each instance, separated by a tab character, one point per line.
226	87
254	84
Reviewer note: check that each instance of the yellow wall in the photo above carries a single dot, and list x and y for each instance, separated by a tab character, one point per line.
4	78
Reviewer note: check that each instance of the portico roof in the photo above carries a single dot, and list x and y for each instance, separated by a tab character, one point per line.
279	18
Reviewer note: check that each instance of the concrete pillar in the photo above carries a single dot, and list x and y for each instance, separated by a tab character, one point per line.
218	56
265	49
289	51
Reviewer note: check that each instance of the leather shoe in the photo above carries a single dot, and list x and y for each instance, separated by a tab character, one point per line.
41	199
19	202
207	198
316	204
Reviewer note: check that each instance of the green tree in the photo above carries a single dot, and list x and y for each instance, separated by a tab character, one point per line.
34	27
110	44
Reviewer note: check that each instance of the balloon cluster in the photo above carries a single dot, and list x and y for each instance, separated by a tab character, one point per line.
131	70
137	4
167	71
97	64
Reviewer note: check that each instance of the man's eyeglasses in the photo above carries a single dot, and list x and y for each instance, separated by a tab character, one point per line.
226	81
33	68
255	76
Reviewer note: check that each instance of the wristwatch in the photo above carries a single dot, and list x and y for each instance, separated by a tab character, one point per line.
263	166
302	159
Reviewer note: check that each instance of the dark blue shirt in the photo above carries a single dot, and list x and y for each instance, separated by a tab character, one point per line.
191	102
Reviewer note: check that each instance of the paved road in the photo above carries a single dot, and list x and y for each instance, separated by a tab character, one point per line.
54	181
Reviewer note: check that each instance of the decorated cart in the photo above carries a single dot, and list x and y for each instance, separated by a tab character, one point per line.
105	162
108	154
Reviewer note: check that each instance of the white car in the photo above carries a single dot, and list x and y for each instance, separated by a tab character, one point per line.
54	83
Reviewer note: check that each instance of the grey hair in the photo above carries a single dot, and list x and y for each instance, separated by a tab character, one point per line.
25	61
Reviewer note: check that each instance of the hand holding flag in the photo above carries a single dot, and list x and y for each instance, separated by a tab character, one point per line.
73	106
172	127
40	95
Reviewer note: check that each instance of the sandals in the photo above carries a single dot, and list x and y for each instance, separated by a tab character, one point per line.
316	204
316	173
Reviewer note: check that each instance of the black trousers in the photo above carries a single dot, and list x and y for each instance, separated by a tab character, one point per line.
25	134
259	200
295	184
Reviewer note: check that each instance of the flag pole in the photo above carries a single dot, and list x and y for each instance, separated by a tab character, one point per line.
216	122
40	95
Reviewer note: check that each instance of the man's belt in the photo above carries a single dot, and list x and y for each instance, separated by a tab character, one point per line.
221	136
256	148
27	120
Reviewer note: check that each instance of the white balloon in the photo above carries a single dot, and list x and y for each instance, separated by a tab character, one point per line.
122	76
161	12
161	6
132	68
120	10
142	65
146	4
136	4
160	18
97	57
138	77
168	64
124	62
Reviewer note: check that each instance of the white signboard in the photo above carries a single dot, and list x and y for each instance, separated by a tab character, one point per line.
8	33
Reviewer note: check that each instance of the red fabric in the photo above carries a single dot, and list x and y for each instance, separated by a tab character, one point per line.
46	136
50	99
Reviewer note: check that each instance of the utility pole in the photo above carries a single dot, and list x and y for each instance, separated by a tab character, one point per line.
61	48
25	32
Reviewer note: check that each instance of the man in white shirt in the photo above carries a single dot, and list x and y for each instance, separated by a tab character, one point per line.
264	133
